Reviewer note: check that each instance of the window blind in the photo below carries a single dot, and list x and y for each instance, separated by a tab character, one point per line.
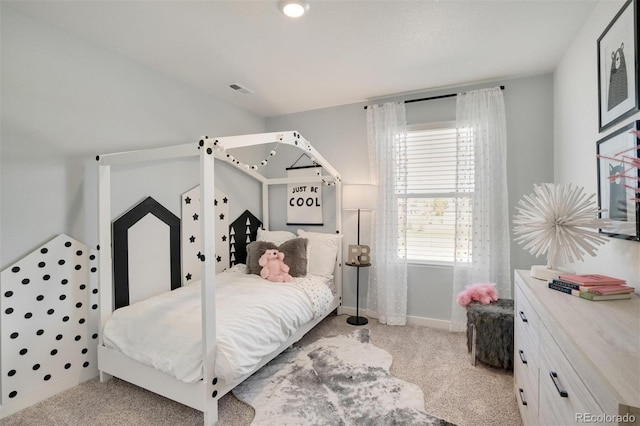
440	180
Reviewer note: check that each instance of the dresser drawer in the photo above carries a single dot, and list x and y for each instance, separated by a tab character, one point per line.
526	391
526	349
526	327
525	357
563	395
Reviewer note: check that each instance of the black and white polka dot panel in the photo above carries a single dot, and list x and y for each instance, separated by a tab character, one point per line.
49	308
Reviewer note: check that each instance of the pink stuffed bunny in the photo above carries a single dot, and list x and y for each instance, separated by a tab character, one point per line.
273	267
481	292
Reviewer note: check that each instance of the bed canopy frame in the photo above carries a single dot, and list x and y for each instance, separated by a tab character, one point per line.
202	395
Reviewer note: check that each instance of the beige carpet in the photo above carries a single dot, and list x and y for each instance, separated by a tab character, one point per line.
435	360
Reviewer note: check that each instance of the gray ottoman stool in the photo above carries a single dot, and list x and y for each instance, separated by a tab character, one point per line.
490	333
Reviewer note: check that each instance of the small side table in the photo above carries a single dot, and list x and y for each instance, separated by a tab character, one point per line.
357	320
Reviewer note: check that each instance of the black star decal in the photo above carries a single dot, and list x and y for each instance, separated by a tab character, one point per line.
187	200
224	238
218	259
215	202
221	216
195	216
188	277
192	239
224	200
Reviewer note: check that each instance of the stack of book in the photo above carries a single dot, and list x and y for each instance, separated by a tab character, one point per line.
592	286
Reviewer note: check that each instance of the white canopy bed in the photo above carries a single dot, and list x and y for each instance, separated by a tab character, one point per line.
207	337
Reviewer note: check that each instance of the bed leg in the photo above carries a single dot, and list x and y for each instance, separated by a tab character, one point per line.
105	377
211	413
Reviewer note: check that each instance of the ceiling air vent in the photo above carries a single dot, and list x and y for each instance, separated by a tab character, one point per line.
240	89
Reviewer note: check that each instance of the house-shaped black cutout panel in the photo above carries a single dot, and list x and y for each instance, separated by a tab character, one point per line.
121	246
238	236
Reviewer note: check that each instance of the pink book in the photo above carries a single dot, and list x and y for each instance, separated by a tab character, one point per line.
611	289
591	279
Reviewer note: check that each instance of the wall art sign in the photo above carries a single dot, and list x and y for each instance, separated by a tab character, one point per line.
618	184
304	200
618	79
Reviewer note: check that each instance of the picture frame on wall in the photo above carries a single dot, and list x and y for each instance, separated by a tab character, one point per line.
618	81
618	182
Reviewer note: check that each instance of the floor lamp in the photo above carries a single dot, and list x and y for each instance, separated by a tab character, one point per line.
359	197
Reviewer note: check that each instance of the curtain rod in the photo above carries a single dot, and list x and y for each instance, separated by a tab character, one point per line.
451	95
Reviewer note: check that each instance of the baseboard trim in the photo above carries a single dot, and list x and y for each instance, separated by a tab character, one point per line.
429	322
411	319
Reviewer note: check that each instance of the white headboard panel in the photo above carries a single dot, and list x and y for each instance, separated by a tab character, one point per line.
149	258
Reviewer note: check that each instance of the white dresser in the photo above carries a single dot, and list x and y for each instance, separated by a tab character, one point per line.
575	361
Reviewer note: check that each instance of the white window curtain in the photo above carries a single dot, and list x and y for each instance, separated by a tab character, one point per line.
480	116
387	295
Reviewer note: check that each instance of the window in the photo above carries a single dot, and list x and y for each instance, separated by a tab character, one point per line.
440	181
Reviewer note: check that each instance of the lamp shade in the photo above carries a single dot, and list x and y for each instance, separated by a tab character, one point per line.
363	197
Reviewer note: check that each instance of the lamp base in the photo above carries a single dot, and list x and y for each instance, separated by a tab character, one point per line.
541	272
357	320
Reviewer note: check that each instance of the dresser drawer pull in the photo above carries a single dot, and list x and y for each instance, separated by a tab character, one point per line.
524	361
523	317
521	392
554	378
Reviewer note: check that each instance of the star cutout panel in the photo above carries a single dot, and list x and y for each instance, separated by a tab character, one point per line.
192	240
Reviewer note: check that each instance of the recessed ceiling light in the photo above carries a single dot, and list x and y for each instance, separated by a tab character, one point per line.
293	8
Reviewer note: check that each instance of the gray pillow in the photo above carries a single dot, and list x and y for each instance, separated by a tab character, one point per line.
295	255
256	249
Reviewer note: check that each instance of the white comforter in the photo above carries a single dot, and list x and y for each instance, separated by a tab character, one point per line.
254	317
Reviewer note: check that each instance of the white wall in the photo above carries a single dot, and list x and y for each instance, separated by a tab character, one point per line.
576	133
340	134
64	101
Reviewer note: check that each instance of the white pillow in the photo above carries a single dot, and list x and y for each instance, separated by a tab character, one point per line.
275	237
323	251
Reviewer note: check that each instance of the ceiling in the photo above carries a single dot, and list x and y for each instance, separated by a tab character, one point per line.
341	52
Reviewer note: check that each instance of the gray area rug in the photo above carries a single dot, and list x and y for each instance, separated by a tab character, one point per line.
342	380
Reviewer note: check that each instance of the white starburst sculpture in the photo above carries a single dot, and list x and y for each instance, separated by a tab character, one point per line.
560	220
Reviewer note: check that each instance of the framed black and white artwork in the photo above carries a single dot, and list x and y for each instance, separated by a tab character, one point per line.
618	67
618	184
